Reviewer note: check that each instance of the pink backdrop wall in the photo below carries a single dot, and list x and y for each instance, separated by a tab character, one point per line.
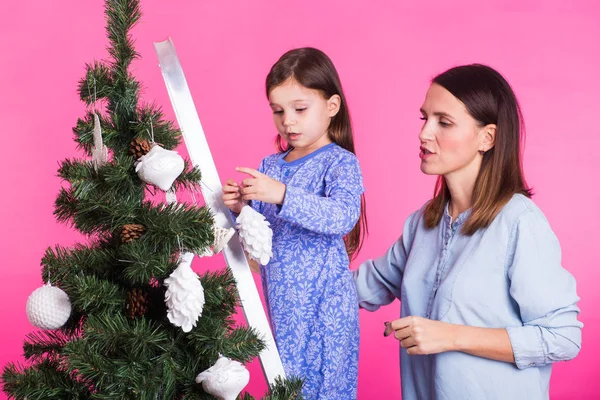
385	52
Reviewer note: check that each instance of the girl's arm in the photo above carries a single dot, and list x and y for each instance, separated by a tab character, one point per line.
337	212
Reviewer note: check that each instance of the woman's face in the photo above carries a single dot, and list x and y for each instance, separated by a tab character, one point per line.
450	137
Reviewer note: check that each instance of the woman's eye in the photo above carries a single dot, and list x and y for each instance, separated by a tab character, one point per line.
278	112
300	109
423	119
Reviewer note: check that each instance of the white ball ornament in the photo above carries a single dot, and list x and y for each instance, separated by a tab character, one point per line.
160	167
48	307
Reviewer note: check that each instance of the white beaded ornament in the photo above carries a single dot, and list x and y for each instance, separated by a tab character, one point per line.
48	307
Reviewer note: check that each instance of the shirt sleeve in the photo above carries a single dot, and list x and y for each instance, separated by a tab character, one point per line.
545	293
337	211
378	281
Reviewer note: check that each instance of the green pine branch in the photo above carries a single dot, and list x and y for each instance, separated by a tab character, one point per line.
94	296
97	84
243	344
150	124
139	266
115	182
289	389
169	228
46	380
84	132
220	293
121	356
60	263
44	344
121	17
189	178
174	227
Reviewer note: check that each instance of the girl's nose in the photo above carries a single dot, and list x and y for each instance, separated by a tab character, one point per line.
289	120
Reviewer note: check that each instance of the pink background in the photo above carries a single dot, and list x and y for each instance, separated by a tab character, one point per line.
385	53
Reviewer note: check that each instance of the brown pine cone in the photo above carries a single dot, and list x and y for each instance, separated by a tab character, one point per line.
129	232
139	147
137	303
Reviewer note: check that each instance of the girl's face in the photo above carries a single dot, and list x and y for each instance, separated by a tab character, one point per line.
302	116
450	137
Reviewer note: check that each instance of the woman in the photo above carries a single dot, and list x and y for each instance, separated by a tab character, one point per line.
486	307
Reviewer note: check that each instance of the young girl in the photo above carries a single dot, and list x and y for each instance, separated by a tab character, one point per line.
486	306
311	193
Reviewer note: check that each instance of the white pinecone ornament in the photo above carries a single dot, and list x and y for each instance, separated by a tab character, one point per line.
185	295
160	167
48	307
224	380
256	236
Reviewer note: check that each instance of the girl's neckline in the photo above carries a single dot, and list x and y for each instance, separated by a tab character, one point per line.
281	160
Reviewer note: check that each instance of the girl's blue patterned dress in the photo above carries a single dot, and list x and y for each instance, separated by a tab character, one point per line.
309	290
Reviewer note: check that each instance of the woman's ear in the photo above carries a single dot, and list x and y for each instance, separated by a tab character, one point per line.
488	141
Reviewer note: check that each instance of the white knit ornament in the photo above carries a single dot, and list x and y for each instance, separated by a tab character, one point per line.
256	236
185	295
224	380
48	307
160	167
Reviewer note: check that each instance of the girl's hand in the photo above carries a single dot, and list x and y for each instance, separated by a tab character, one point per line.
423	336
232	196
260	187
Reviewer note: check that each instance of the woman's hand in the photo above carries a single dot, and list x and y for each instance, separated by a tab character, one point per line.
261	187
423	336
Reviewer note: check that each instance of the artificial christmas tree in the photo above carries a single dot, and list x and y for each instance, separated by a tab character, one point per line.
118	341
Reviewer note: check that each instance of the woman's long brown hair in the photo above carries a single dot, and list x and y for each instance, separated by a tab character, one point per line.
490	100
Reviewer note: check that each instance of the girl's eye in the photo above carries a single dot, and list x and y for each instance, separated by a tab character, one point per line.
444	123
423	119
278	112
300	109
